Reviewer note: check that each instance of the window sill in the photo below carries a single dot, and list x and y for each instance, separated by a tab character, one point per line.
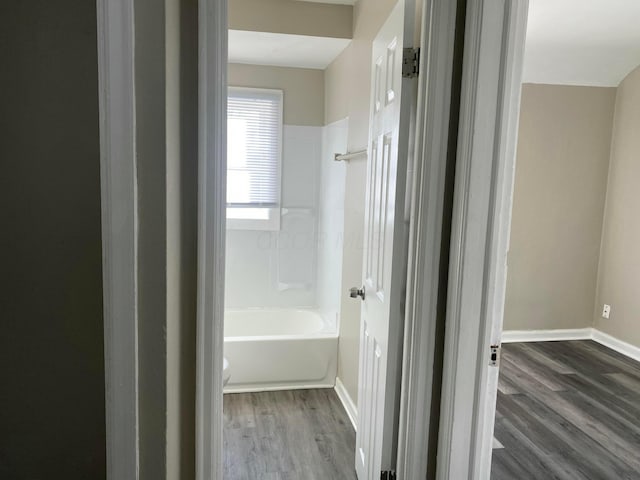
269	221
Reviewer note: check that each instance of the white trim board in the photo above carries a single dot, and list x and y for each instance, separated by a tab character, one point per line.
615	344
485	162
435	90
347	402
278	387
212	169
620	346
517	336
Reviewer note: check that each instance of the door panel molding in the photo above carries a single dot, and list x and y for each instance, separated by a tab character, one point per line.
392	114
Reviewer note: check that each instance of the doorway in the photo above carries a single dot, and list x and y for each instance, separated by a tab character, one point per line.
287	220
283	261
569	353
564	374
440	74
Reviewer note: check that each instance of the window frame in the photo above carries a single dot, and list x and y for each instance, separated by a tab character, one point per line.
272	223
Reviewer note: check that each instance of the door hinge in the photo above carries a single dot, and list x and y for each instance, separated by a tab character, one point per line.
494	355
388	475
410	62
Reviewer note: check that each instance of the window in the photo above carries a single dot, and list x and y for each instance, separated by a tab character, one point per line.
254	150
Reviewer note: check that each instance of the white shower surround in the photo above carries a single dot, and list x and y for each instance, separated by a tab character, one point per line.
256	259
287	338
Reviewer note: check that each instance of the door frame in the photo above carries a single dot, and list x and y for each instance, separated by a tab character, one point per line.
491	85
119	204
426	236
212	164
427	210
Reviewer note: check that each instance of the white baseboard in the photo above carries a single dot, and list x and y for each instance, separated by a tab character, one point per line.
259	387
347	403
626	349
619	346
512	336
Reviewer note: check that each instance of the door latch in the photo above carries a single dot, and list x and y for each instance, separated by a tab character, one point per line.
494	355
355	292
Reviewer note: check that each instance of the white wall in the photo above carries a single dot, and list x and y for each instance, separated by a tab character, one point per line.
331	218
301	264
262	266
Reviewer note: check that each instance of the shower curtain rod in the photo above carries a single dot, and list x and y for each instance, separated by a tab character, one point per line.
339	157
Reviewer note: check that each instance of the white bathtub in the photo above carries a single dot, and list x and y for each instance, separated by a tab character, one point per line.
271	349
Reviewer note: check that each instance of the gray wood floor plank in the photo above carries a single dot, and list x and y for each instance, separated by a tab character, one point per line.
535	371
298	434
581	451
607	401
609	357
536	430
631	365
506	386
529	350
572	411
530	457
522	380
581	362
506	467
629	383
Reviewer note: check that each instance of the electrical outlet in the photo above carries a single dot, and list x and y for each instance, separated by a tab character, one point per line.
606	311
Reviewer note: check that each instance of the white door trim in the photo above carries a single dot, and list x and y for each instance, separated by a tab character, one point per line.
115	30
425	237
490	102
212	164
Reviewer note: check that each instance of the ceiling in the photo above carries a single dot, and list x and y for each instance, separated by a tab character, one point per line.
582	42
284	50
569	42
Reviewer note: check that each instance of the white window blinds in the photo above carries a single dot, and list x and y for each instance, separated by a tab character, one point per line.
254	150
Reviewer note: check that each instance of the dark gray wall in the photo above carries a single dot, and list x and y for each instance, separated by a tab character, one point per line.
152	235
52	422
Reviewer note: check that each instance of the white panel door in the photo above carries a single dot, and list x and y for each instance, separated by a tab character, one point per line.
384	262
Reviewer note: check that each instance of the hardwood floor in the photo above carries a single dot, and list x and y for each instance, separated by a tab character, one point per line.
567	410
288	435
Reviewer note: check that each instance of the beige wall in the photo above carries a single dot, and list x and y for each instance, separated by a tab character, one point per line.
559	195
303	89
291	16
619	272
347	82
336	87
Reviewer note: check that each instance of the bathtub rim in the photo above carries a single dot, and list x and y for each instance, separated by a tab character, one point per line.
331	326
266	338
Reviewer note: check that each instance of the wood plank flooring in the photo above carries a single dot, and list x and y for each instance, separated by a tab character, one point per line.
288	435
567	410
